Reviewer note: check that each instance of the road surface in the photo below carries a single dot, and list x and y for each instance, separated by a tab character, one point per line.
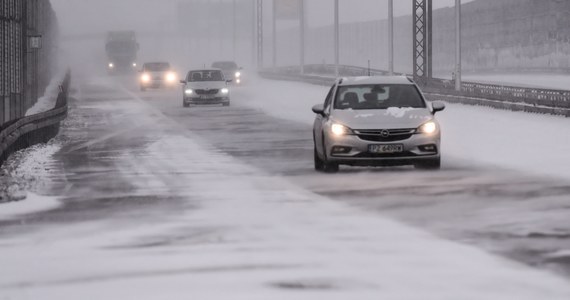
162	202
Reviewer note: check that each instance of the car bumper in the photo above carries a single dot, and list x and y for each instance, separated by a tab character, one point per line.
158	84
356	151
207	101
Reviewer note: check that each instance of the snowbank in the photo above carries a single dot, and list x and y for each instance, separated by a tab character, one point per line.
49	99
28	169
32	204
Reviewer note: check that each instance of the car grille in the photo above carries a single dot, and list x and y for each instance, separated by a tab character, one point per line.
207	92
385	155
387	135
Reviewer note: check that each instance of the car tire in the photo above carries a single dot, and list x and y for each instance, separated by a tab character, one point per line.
319	164
328	167
433	164
226	104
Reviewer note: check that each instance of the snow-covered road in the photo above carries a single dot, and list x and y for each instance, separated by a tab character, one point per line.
161	202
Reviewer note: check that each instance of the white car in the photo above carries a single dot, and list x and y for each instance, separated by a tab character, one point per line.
207	87
376	121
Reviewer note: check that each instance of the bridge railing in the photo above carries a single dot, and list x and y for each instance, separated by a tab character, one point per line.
39	128
535	100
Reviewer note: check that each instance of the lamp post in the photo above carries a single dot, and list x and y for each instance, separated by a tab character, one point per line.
234	25
302	28
336	38
274	33
458	45
391	36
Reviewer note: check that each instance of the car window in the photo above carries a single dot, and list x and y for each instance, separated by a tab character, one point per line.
225	65
378	96
205	75
156	67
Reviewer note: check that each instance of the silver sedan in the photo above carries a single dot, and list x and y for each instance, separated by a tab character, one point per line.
376	121
205	87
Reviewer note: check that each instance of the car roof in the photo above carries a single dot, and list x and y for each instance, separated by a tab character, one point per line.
204	70
363	80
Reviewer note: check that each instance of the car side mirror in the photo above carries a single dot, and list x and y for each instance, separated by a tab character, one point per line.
229	81
437	106
183	81
319	109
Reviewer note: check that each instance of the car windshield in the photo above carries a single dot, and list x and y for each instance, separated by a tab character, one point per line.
157	67
205	75
378	96
225	65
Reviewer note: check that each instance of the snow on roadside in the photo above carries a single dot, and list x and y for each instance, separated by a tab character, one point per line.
546	81
34	162
27	170
49	99
479	135
32	204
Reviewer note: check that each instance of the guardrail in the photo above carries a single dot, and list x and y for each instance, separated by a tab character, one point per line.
535	100
35	129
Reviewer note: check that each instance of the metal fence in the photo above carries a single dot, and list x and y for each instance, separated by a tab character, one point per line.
37	128
25	65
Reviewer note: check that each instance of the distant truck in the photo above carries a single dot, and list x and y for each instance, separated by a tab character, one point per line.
122	48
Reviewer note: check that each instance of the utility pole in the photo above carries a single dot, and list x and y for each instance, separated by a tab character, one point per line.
259	32
302	29
253	32
234	33
221	8
336	38
274	36
429	37
458	45
391	36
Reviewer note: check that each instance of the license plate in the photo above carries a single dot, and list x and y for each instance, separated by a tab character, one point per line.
386	149
208	97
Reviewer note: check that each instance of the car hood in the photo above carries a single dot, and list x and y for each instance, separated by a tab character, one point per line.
206	85
390	118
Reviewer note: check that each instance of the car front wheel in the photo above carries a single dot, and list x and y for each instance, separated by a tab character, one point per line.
319	164
328	167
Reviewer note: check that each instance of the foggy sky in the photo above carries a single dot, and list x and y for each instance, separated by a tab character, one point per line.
88	16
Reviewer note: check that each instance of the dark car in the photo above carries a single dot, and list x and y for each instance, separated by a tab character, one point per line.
230	70
157	75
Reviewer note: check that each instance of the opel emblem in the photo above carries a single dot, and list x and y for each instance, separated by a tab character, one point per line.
385	133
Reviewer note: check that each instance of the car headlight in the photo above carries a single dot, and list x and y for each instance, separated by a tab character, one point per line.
225	91
111	65
171	77
428	128
238	74
339	130
188	92
135	65
145	77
